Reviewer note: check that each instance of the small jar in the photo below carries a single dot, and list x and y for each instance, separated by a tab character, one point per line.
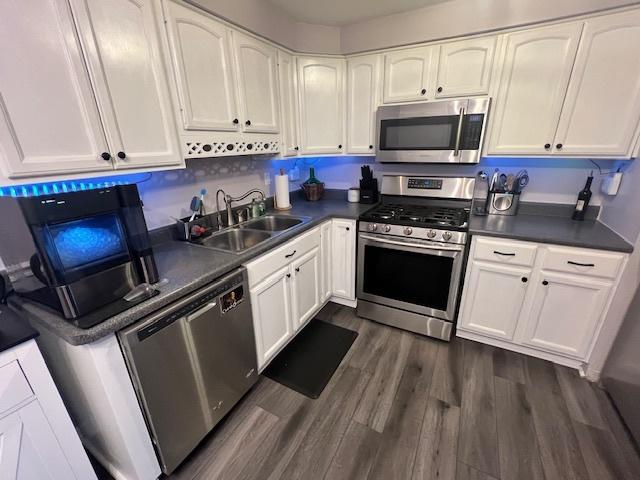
353	195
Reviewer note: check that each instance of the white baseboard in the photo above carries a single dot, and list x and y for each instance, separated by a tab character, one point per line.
344	301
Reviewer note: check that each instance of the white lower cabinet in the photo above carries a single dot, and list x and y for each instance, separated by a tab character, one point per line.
291	283
553	308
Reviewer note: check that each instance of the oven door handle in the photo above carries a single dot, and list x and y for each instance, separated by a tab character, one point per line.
456	151
411	245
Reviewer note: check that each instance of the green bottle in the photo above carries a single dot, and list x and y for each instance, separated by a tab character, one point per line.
312	177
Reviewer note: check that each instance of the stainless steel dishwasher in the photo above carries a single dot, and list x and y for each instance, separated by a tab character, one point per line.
190	364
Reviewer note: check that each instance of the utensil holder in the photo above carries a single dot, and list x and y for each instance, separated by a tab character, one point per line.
501	203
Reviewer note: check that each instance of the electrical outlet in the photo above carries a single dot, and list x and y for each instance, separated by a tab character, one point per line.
267	178
611	183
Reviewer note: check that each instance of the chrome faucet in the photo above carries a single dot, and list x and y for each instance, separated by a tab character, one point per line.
228	200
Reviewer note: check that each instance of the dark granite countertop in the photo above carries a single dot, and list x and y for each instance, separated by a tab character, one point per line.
551	225
13	329
188	267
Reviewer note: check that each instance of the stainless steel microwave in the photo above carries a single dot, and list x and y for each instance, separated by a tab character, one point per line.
449	131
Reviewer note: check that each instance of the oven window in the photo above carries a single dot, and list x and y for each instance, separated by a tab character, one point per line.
420	133
417	278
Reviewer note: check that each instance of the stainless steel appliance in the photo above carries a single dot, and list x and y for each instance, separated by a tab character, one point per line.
190	364
448	131
79	253
410	253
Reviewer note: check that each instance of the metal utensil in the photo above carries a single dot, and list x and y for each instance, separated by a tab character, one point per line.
522	180
510	182
502	182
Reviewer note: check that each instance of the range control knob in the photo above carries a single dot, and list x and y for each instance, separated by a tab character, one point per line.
408	230
387	228
373	227
446	236
431	233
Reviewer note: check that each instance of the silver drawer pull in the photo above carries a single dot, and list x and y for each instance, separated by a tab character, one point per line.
570	262
504	254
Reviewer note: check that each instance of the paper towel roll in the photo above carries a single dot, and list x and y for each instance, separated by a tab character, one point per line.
282	192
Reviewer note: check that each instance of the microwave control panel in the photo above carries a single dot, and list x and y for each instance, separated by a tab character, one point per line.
471	131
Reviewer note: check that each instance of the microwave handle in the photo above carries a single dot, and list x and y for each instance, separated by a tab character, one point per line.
456	151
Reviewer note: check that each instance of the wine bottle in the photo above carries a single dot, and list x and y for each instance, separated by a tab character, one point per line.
582	203
312	177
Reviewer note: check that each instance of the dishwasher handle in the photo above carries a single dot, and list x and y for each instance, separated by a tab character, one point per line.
201	311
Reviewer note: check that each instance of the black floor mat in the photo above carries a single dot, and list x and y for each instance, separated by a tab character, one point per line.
307	364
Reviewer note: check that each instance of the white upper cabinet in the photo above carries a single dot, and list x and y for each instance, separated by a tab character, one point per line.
363	83
256	64
122	46
602	108
288	102
409	74
321	90
535	74
49	121
465	67
200	48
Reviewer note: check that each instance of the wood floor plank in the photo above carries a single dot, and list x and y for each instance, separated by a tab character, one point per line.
580	397
401	434
447	379
465	472
436	457
559	450
369	346
478	441
508	365
228	460
375	406
517	443
316	451
356	454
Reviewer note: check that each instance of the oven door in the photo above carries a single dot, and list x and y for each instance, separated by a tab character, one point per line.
417	276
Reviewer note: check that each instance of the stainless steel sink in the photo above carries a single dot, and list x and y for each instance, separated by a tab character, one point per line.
236	240
272	223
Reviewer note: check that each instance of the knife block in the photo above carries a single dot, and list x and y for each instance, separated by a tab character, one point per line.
369	192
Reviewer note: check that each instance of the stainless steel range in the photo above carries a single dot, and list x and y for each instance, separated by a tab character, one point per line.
410	253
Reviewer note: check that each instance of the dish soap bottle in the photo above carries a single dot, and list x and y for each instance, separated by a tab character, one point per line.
583	200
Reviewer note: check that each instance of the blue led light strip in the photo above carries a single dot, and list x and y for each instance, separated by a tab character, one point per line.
64	186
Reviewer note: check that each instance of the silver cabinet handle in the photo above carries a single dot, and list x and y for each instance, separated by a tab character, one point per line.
414	245
456	150
205	309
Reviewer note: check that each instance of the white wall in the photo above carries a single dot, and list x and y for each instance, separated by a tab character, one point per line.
622	212
461	17
551	180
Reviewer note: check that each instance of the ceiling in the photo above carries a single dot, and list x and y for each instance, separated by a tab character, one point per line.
344	12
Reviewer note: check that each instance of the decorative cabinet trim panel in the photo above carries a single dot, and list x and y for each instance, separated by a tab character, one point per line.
201	55
363	84
465	67
535	73
553	309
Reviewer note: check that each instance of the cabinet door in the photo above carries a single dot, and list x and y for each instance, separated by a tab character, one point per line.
493	298
602	108
321	95
305	287
49	122
565	313
201	59
122	45
325	266
29	447
465	67
533	83
257	83
343	248
288	102
272	322
363	75
408	74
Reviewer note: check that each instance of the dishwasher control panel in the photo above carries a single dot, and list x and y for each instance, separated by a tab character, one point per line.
228	301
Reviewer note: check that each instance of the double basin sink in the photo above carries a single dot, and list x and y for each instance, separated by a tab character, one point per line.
251	233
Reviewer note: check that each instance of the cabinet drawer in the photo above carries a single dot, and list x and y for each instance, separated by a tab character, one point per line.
14	387
505	251
583	262
270	262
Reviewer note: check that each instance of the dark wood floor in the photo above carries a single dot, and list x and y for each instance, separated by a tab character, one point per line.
402	406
